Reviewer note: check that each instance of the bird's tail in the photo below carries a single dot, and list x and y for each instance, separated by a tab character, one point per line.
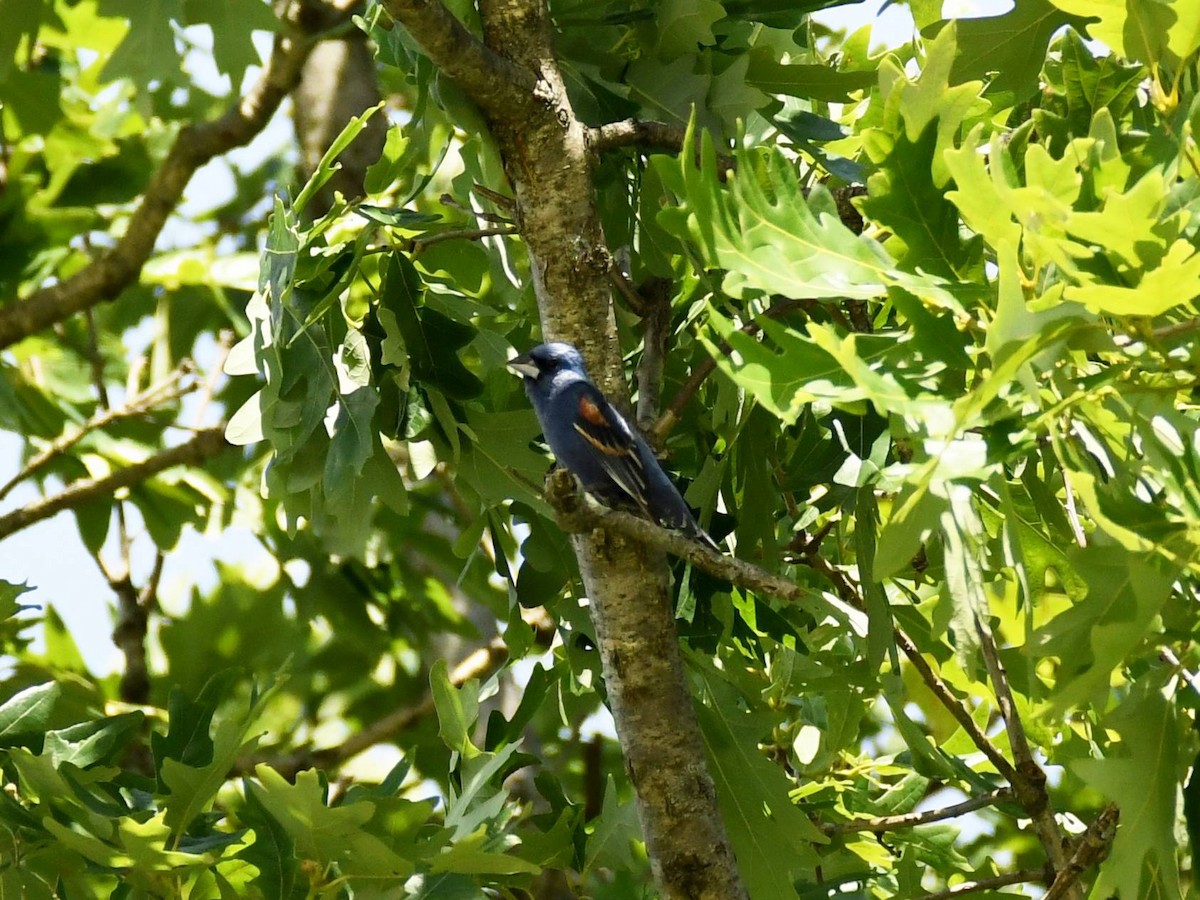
694	531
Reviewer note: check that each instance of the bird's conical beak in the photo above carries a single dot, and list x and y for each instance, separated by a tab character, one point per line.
524	365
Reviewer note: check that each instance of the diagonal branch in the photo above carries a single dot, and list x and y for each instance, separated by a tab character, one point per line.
499	86
478	664
1030	781
157	394
118	267
1092	848
1025	876
575	513
578	514
203	445
882	824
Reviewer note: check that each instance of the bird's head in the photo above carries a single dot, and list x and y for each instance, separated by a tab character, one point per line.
552	362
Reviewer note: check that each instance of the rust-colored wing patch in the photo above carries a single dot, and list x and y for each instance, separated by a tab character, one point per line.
590	412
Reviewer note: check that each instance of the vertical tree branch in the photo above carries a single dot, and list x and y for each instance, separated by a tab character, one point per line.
549	163
1030	780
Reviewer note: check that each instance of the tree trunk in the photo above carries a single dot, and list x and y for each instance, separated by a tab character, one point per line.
545	153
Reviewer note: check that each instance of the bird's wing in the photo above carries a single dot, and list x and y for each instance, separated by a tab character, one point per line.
616	447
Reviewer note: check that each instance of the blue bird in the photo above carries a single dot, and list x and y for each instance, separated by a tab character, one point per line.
593	441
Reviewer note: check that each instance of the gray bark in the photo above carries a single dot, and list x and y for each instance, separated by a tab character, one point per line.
549	164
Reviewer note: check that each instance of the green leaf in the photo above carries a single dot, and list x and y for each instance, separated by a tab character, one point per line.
148	52
1093	84
457	708
187	739
471	860
88	743
397	218
613	832
1135	31
1139	774
904	198
431	338
1125	591
813	82
964	552
673	91
684	25
771	837
22	18
479	802
879	613
193	787
1174	282
327	167
326	834
26	715
273	851
232	22
1011	47
772	239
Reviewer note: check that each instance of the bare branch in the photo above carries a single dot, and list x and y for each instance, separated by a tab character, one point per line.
881	824
129	635
224	345
495	83
1092	849
118	267
955	707
1030	783
1178	329
1167	655
1025	876
647	134
579	514
203	445
165	391
416	245
479	664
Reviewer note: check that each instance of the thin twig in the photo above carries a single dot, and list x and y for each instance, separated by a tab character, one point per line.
416	245
478	214
1167	655
656	334
1030	783
881	824
224	345
670	418
954	706
627	291
479	664
165	391
1178	329
1025	876
201	446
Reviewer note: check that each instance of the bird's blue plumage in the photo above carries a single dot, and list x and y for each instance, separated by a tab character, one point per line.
594	442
